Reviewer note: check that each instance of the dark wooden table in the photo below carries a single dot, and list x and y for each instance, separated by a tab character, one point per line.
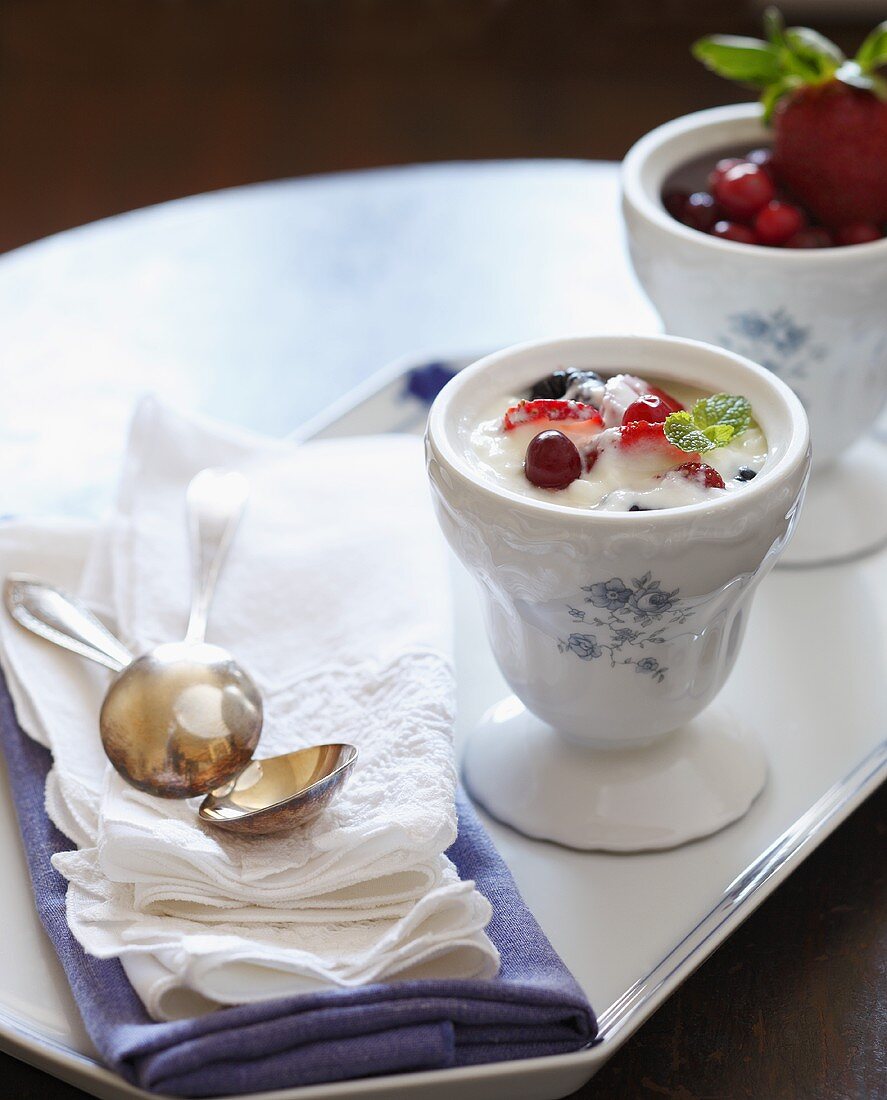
109	105
298	290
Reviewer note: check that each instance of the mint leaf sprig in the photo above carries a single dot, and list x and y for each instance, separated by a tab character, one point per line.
712	422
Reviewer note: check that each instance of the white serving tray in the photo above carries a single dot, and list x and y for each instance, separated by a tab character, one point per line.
631	928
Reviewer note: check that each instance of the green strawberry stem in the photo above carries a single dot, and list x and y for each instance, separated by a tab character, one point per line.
792	57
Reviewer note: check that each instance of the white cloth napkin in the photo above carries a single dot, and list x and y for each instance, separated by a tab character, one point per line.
335	598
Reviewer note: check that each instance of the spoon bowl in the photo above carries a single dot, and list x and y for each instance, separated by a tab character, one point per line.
181	719
184	717
281	792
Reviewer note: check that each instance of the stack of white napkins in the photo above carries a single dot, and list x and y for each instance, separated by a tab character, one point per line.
335	598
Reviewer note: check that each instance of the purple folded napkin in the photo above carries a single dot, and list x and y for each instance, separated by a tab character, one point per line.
533	1008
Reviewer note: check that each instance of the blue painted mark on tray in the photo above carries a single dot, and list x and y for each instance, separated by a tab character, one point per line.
425	382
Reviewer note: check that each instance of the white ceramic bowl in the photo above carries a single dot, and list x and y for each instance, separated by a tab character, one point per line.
815	317
615	628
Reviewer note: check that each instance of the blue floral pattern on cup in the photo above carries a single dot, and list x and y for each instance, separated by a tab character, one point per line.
775	340
625	617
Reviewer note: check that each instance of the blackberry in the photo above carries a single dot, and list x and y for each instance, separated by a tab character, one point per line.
551	388
585	386
574	385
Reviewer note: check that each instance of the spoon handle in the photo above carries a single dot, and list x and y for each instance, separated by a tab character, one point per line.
216	499
57	617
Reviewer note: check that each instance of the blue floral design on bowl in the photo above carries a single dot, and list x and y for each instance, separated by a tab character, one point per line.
623	620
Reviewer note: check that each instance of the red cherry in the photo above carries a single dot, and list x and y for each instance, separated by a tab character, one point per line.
721	169
814	236
778	221
733	231
700	471
674	202
763	158
649	407
743	190
859	233
646	439
700	211
672	402
552	461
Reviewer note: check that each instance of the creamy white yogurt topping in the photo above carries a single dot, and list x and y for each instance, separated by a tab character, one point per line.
620	477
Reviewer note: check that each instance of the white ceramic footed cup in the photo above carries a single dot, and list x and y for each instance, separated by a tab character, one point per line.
615	629
815	317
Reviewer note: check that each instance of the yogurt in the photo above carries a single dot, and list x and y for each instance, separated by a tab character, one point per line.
624	464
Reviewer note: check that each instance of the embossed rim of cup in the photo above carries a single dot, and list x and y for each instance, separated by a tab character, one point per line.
465	398
653	158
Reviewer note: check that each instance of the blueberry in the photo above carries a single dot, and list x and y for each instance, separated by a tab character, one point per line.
639	508
551	388
746	473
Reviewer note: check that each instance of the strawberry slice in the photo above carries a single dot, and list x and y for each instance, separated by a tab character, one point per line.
532	412
647	441
702	473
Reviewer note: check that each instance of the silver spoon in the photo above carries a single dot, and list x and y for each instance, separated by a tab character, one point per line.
267	796
281	792
183	718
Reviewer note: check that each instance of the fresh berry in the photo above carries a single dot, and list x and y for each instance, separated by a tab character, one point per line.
858	233
828	115
641	434
720	170
551	388
644	439
743	190
639	508
701	211
650	408
672	402
829	147
570	384
746	473
585	386
734	231
814	236
552	461
529	412
700	471
763	157
777	222
621	390
674	202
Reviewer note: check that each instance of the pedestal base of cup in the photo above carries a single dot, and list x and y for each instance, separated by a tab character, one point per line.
844	517
683	786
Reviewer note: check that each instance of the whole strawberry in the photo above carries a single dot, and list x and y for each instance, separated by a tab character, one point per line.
828	114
